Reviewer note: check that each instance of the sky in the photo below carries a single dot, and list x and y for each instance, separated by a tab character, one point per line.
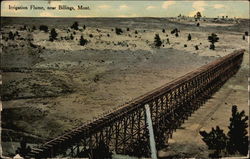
239	9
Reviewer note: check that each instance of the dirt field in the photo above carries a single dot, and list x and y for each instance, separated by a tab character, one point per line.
49	87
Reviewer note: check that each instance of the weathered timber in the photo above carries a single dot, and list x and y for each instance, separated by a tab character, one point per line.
170	105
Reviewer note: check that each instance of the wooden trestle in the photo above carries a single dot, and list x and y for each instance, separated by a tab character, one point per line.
170	105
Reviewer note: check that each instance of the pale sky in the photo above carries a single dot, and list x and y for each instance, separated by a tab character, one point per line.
130	8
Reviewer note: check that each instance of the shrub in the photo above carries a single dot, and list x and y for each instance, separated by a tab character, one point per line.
175	30
44	28
213	38
163	30
136	32
189	37
185	45
83	41
71	37
246	33
11	35
118	31
75	26
168	42
84	27
196	47
91	35
243	37
176	34
108	35
157	40
236	140
198	24
53	34
127	29
215	140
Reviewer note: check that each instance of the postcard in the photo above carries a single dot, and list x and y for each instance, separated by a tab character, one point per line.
124	79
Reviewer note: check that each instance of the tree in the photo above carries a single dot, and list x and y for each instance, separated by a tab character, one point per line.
71	37
215	140
83	41
198	15
75	26
238	139
189	37
118	31
213	38
157	40
53	34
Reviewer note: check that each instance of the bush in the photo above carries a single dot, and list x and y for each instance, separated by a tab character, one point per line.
236	140
246	33
75	26
175	30
168	42
196	47
157	40
53	34
71	37
118	31
198	24
11	35
83	41
215	140
176	34
163	30
189	37
136	32
44	28
91	35
243	37
127	29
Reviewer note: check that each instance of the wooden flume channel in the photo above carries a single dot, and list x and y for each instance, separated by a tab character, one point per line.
170	105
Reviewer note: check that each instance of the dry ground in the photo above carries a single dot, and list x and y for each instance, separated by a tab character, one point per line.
49	87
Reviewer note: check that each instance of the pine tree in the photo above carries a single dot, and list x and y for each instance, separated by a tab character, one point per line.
238	139
157	40
75	26
213	38
189	37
